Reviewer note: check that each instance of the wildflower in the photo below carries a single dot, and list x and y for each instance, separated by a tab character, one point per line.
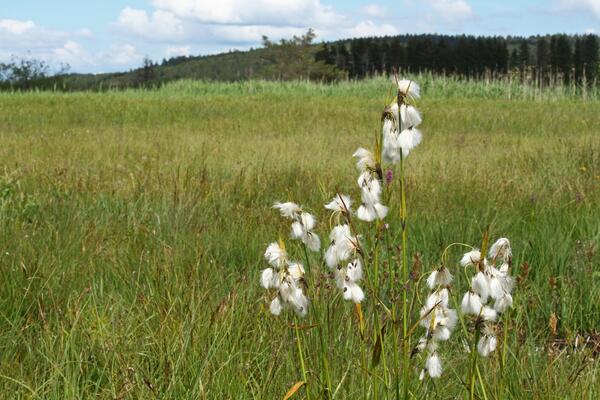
389	176
346	278
400	133
433	365
302	226
302	229
438	319
489	282
285	277
288	209
487	342
500	250
339	204
343	247
409	88
439	277
365	161
371	207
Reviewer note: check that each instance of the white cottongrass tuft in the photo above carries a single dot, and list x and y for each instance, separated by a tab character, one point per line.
286	278
303	225
488	341
341	203
371	207
409	88
365	160
490	292
400	133
288	209
344	247
438	320
302	229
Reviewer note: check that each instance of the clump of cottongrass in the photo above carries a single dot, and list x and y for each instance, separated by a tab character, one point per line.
438	319
287	278
343	259
490	291
400	122
369	182
302	225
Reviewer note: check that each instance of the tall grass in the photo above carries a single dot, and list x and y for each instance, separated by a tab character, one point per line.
133	225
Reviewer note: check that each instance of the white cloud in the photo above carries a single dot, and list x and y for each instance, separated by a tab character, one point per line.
451	10
369	28
175	51
590	31
123	55
16	27
297	13
374	11
160	26
592	6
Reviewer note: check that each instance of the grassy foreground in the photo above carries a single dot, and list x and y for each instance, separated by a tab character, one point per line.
133	226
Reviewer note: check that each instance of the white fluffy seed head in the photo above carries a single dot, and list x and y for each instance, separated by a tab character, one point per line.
471	303
480	285
503	303
340	203
486	345
410	116
365	160
288	209
276	306
276	256
409	88
268	278
500	250
471	258
433	365
439	277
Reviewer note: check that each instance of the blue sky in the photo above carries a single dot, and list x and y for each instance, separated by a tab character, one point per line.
114	35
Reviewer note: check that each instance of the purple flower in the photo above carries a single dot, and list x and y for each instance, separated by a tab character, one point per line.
389	176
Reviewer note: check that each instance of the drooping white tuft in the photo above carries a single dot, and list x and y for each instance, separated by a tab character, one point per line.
365	161
471	258
410	117
486	345
409	88
503	303
480	285
340	203
500	250
267	278
439	277
275	255
433	365
288	209
276	306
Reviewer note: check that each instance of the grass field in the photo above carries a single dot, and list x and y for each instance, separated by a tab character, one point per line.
133	226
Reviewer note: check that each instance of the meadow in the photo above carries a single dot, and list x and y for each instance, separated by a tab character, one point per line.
133	227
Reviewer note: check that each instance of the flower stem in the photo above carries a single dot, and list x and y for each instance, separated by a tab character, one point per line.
323	349
406	340
301	357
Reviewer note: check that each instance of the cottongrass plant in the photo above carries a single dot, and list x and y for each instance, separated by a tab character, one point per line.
359	241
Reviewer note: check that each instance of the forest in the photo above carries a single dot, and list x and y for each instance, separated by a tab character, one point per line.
568	59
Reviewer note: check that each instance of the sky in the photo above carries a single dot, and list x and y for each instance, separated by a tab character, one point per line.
116	35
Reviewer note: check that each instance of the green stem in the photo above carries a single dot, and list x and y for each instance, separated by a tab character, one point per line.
472	371
315	310
406	340
301	356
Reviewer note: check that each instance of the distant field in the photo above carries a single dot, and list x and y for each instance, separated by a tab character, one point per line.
134	223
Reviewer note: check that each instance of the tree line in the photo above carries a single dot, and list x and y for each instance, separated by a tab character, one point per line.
572	59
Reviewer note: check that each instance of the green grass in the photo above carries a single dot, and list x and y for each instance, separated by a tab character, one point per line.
133	226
